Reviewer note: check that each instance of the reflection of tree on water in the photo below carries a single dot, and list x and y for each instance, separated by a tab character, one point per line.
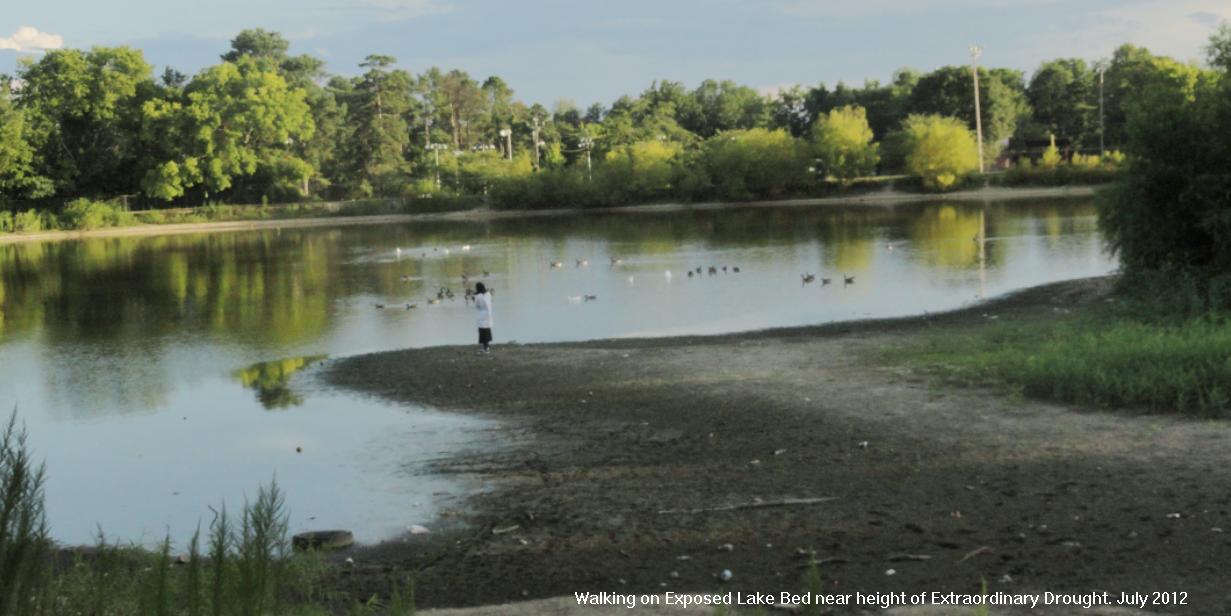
271	380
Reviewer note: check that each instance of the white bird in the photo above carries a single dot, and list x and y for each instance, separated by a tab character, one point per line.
466	247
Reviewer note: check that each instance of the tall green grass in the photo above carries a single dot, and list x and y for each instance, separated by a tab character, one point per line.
1163	361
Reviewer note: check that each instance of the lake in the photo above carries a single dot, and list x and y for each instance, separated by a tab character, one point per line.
160	376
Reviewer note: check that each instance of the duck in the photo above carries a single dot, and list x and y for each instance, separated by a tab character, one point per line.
807	278
848	279
698	269
713	270
735	269
724	269
690	274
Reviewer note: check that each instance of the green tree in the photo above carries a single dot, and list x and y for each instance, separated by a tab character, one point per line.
378	138
949	91
233	120
1171	210
754	163
85	109
940	151
1064	96
842	141
17	174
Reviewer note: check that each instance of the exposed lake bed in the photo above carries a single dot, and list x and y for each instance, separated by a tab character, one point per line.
764	452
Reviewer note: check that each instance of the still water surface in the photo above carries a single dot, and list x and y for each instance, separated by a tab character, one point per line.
161	375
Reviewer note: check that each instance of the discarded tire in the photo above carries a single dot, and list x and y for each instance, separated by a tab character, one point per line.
323	540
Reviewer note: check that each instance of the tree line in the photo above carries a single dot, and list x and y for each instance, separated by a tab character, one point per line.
263	125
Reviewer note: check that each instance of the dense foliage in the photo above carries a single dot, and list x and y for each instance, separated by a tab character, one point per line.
266	126
1169	217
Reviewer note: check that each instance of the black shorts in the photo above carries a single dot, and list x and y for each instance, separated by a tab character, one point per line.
485	335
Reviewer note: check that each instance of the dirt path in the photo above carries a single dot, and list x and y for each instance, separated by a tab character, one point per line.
882	198
653	465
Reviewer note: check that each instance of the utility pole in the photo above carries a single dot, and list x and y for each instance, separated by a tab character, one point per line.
537	165
427	132
1102	128
508	140
975	52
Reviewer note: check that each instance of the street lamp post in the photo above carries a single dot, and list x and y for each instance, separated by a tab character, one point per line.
508	139
975	52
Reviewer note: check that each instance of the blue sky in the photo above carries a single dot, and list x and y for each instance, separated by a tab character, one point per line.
594	51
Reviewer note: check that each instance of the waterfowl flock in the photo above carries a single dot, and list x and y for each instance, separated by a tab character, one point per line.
444	293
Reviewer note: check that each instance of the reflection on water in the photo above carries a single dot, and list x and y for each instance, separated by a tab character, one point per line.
272	380
106	342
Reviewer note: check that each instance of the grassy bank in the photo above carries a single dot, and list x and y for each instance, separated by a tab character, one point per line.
1126	352
87	215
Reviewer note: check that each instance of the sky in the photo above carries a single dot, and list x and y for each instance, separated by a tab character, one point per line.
588	51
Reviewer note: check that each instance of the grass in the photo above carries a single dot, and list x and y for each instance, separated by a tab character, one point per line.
1126	354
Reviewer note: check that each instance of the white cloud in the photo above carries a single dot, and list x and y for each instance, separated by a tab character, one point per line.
847	8
405	9
1176	28
30	39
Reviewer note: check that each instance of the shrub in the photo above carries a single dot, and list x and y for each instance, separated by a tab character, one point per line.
28	221
940	151
6	222
756	163
843	144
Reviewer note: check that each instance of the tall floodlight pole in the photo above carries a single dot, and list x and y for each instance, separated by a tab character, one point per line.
508	139
975	52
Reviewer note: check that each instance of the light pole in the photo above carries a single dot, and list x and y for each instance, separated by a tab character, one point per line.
537	165
586	144
508	139
975	52
436	148
1102	128
427	132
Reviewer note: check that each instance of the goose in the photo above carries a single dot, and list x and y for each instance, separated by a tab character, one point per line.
411	306
690	274
807	278
713	270
557	264
590	298
825	281
449	293
735	269
698	269
724	269
616	260
583	263
848	279
440	294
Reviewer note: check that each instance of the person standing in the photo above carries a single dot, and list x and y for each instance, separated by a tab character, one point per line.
483	305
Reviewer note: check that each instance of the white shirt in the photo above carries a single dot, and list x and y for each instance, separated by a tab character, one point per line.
483	304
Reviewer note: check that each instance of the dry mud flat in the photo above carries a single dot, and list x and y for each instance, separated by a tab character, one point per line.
647	466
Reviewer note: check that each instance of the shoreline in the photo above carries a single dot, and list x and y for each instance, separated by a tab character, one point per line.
882	198
644	465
